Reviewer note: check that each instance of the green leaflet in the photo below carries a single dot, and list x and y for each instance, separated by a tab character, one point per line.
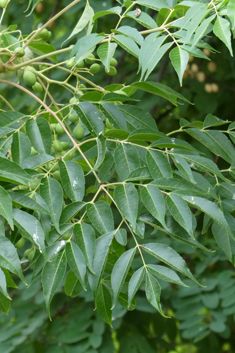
169	256
101	216
76	261
126	197
120	272
52	275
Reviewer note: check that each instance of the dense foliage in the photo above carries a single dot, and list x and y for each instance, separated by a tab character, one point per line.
99	208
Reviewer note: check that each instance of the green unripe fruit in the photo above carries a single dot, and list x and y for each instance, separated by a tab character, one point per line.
57	146
73	118
56	167
73	100
33	152
113	62
66	236
48	166
27	252
112	71
65	145
34	184
45	34
70	155
90	59
37	87
79	93
70	63
29	78
56	175
31	255
59	129
78	132
3	3
108	124
80	65
82	86
94	68
19	52
20	243
53	126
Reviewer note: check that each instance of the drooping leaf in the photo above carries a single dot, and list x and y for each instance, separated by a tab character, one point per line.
20	148
102	247
158	164
85	239
9	258
135	283
52	275
30	228
103	303
153	292
76	261
91	117
154	202
101	216
72	179
120	272
222	238
52	192
106	52
126	197
179	59
165	274
85	46
72	285
126	160
39	133
222	31
169	256
180	212
6	206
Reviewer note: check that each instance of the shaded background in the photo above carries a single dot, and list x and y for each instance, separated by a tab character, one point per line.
202	318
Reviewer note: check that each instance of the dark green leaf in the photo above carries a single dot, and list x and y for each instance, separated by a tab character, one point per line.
85	239
72	179
101	216
76	261
126	197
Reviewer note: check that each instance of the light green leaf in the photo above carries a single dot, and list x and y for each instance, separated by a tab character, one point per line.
6	206
76	261
52	275
83	21
126	160
85	46
30	228
154	202
222	31
132	33
180	212
231	13
153	292
91	117
40	47
135	283
126	197
165	274
72	179
120	272
144	19
127	44
52	192
158	164
106	52
20	148
101	216
179	59
170	257
85	239
210	208
154	4
113	10
9	258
